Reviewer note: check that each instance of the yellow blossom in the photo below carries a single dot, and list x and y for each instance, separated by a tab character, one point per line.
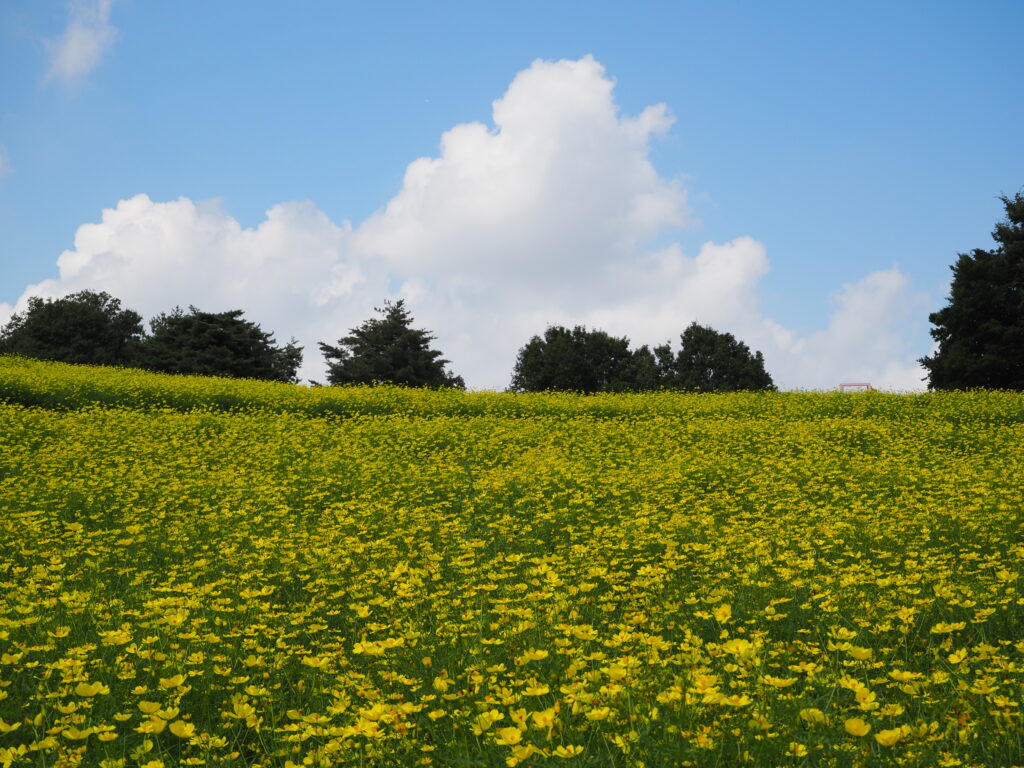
889	737
567	750
181	729
91	689
855	726
508	736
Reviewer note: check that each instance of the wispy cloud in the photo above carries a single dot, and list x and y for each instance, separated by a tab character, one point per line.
88	35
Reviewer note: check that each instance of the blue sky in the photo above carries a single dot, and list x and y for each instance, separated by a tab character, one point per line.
847	152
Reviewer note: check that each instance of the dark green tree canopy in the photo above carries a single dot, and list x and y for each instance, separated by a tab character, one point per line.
980	331
85	327
576	360
218	344
710	361
388	350
579	360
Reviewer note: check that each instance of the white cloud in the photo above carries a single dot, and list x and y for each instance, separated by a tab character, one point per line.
865	340
86	38
548	216
289	273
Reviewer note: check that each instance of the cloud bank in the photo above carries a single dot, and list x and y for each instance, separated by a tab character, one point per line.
88	35
548	216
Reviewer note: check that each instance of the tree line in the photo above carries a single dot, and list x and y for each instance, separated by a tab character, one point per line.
93	327
979	335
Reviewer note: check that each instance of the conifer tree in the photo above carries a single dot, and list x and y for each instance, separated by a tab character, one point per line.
388	350
218	344
980	331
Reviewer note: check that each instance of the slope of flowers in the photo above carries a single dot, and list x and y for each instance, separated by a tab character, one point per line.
445	579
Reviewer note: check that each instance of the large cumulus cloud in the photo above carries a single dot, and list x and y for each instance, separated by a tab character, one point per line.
551	214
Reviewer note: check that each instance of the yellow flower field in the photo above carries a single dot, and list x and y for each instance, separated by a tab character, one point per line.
208	572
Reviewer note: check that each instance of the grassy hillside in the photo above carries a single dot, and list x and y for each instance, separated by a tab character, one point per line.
212	572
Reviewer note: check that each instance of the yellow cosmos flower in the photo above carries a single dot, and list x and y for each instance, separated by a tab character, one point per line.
485	720
531	655
722	613
172	682
584	632
241	710
115	637
369	648
813	715
778	682
154	725
889	737
91	689
616	672
148	707
855	726
740	648
568	750
544	718
181	729
942	628
75	734
520	753
903	676
957	656
508	736
442	683
598	713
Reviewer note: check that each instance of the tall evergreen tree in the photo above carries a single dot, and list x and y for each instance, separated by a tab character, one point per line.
388	350
980	331
218	344
85	327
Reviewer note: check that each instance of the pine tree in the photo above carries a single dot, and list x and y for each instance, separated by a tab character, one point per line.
218	344
388	350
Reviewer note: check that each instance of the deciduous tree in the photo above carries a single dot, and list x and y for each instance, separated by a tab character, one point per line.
84	327
578	360
711	361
